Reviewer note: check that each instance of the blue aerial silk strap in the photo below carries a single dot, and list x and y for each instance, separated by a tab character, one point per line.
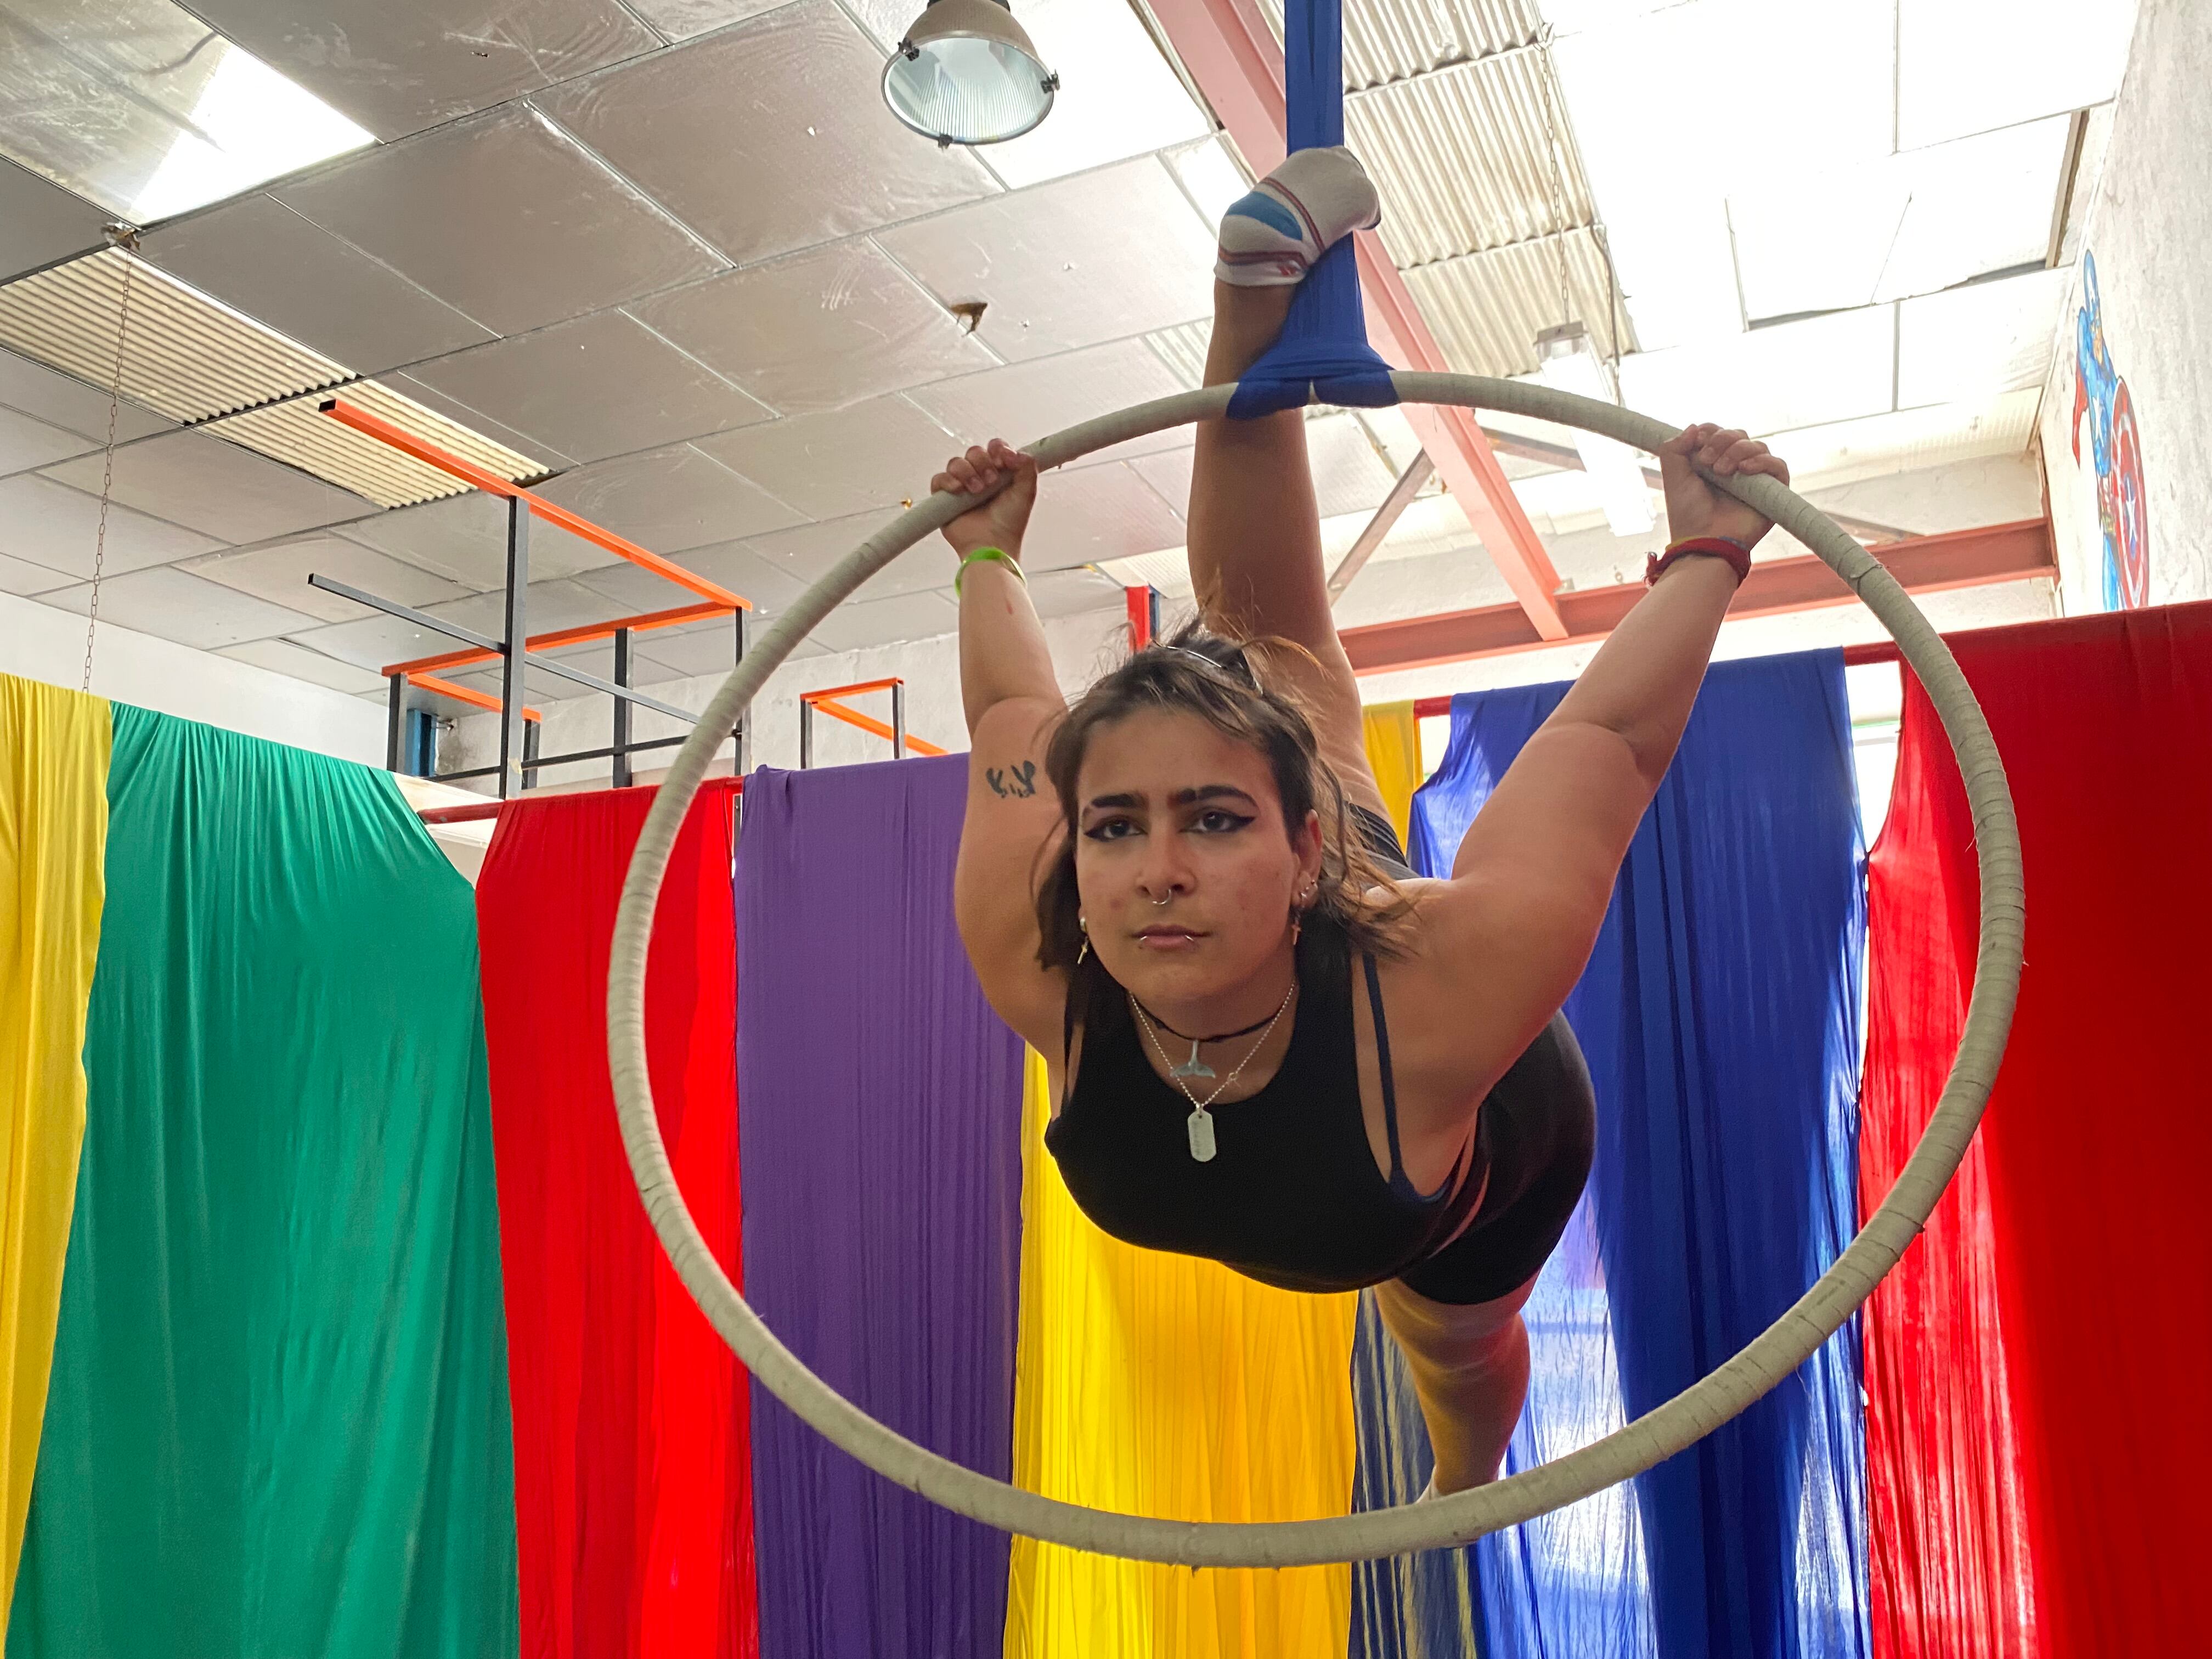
1322	351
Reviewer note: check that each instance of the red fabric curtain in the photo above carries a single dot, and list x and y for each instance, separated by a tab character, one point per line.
633	1481
2038	1455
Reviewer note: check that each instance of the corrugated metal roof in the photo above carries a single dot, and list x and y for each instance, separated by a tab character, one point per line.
1463	158
184	354
296	433
1485	309
1391	39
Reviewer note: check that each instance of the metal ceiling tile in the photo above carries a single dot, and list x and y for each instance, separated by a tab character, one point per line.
25	443
464	540
20	577
881	621
397	66
171	605
504	218
679	20
557	604
1097	513
707	649
805	154
1183	349
280	574
40	222
60	400
260	256
819	330
1073	592
1487	309
1349	474
185	354
670	499
840	462
53	524
1097	257
288	657
1025	402
807	554
601	386
217	488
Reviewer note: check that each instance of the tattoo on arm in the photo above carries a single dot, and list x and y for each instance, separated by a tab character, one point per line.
1016	782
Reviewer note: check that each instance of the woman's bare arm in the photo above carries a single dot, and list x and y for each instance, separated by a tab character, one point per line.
1012	699
1532	877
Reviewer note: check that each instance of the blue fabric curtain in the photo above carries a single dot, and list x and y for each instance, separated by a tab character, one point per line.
1720	1014
879	1122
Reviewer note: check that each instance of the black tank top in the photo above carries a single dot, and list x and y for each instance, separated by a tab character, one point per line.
1292	1197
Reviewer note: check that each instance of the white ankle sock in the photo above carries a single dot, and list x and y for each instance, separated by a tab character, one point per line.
1271	236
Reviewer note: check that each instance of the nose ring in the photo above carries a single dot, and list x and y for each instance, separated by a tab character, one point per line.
1161	901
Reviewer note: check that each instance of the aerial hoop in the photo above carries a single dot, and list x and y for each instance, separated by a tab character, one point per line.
1464	1516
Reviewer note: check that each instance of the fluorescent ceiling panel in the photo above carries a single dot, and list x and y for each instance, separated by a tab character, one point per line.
1899	225
1118	96
1809	87
399	65
298	434
1967	66
65	401
184	353
139	106
1794	374
1973	343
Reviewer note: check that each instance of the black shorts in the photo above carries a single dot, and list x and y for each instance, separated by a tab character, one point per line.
1535	1132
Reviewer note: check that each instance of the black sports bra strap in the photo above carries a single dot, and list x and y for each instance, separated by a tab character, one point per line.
1382	1065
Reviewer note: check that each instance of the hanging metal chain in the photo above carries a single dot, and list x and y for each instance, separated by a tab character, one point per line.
124	239
1548	74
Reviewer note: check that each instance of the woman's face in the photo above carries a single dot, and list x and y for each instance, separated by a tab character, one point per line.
1186	872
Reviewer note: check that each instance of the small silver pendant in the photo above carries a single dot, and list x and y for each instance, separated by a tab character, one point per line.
1192	1068
1201	1136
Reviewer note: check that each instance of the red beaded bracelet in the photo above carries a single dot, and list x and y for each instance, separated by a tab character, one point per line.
1720	547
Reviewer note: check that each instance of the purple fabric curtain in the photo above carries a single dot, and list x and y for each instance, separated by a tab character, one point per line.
880	1155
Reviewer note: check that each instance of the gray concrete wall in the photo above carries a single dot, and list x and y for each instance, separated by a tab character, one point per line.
2147	228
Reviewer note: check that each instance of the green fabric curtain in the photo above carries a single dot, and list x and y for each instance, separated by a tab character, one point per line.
278	1420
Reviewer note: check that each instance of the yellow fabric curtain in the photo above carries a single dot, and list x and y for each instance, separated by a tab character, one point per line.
1394	751
1162	1385
53	833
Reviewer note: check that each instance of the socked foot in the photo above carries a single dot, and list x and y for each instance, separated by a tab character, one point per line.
1271	236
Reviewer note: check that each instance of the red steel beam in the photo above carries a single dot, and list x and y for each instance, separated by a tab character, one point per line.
484	700
1924	564
1234	57
375	426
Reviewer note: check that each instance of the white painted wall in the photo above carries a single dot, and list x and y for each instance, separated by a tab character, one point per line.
39	642
2148	224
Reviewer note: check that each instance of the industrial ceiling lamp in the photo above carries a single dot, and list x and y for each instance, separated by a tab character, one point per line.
1567	360
967	74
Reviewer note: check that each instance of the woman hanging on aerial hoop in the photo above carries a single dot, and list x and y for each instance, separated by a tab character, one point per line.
1269	1043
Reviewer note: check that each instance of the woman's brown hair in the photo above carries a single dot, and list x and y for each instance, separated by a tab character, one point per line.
1200	673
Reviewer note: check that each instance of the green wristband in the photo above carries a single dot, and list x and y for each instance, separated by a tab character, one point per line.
998	553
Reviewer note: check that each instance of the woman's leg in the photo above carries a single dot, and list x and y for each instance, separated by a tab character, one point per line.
1255	557
1470	1367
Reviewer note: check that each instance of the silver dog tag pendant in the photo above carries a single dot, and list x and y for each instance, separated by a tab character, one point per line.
1201	1137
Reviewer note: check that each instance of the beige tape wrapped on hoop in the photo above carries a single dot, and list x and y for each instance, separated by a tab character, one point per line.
1659	1434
